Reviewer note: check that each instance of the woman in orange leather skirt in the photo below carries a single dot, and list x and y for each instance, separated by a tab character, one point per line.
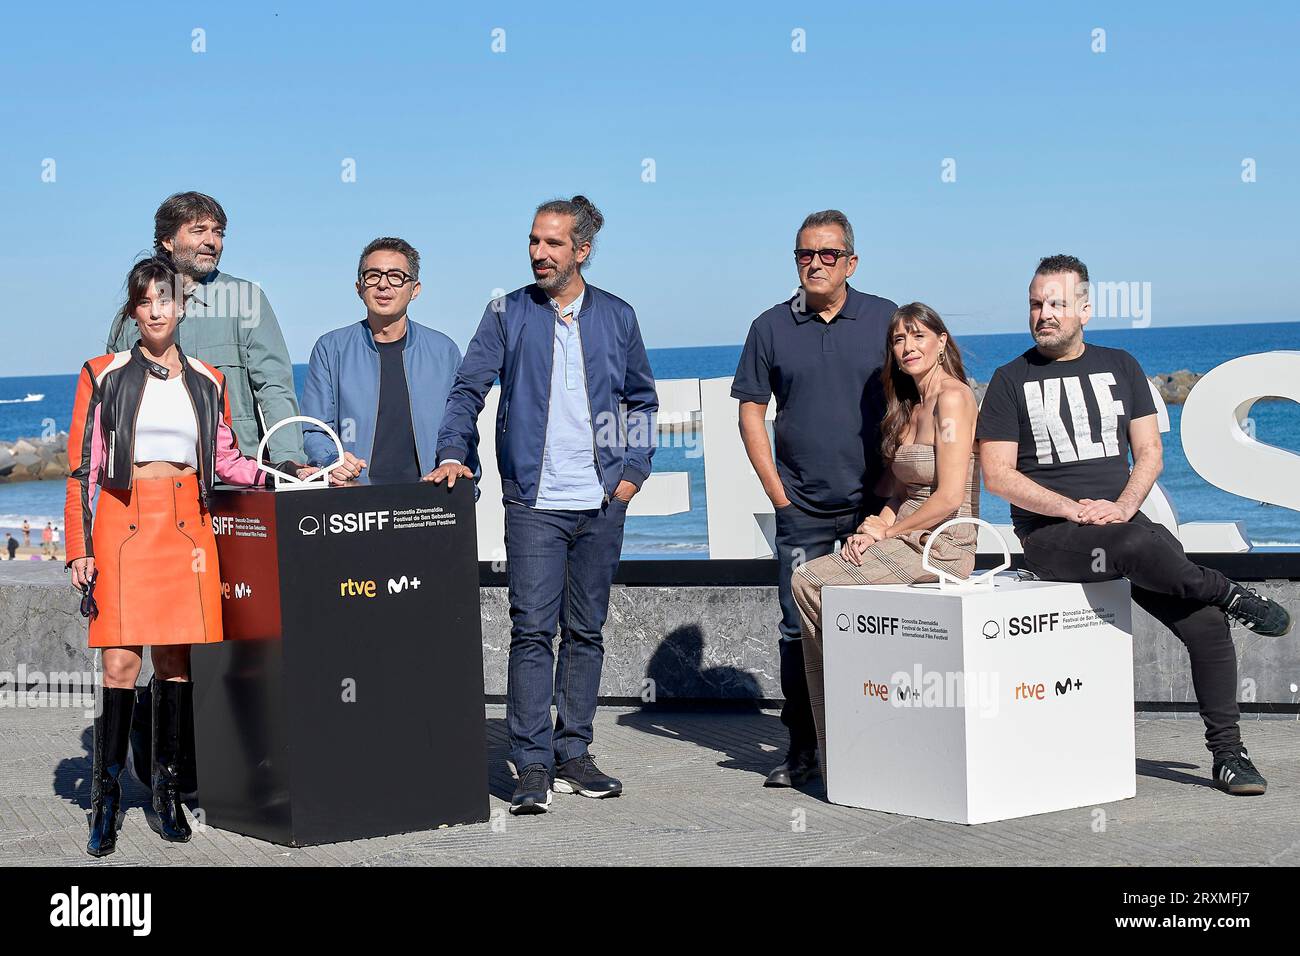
150	436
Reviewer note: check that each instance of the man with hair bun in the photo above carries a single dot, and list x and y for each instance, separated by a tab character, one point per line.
575	438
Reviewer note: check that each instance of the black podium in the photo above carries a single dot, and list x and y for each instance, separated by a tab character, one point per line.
347	698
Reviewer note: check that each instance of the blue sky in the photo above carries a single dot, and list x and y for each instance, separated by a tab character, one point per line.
1129	158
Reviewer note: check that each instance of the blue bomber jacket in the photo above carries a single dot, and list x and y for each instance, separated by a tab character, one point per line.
514	344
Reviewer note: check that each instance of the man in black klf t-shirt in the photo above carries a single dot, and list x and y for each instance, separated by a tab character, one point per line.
1055	430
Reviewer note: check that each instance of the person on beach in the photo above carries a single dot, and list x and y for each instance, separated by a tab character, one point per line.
1056	430
386	373
12	544
928	444
820	354
575	441
27	534
47	540
151	431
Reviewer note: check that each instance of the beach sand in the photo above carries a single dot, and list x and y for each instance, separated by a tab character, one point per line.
26	554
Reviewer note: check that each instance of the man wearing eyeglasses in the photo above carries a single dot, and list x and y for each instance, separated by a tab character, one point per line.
381	383
820	353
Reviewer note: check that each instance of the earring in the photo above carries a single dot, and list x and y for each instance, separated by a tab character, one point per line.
941	353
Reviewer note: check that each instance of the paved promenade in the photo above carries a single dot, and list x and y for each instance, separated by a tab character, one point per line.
694	796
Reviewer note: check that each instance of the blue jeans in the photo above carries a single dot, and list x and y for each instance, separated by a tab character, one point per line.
801	537
561	565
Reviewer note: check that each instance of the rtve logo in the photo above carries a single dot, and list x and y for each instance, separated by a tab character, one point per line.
1038	691
1030	691
349	522
351	588
872	624
369	589
903	692
872	689
240	590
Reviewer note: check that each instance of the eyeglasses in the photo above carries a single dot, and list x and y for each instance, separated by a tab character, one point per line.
396	278
88	606
828	256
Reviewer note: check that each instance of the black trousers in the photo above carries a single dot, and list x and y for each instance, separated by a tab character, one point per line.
800	537
1183	596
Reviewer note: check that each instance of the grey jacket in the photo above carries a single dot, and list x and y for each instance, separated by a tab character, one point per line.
229	323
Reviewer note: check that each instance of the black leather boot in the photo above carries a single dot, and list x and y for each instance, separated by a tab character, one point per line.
170	823
142	735
187	770
112	725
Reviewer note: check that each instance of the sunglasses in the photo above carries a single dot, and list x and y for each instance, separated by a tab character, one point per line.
89	608
828	256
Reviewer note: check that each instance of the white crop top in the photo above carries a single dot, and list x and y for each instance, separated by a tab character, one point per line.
166	429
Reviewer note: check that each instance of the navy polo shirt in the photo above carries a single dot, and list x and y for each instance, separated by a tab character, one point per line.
826	377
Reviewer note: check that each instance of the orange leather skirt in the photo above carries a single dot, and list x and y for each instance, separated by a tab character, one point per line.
156	558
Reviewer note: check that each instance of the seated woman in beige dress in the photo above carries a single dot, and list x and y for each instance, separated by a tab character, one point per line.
928	444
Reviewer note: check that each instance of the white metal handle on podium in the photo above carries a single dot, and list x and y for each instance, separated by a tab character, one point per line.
321	478
984	580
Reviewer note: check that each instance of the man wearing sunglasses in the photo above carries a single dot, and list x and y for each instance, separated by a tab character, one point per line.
381	383
820	353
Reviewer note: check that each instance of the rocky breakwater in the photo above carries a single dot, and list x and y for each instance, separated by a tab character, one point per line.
34	459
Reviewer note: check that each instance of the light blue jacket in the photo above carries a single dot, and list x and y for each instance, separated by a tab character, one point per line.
342	390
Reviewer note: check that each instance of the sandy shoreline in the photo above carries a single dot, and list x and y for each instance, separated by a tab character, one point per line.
30	553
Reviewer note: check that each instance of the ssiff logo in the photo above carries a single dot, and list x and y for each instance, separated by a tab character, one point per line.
344	523
1023	625
875	624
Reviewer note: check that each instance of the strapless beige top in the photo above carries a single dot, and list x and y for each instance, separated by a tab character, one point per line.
914	467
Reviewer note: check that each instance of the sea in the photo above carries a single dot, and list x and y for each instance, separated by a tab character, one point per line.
1159	350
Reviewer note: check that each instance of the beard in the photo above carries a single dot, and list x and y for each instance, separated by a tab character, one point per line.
558	279
1055	340
187	261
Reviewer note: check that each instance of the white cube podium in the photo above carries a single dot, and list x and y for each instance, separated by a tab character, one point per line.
979	702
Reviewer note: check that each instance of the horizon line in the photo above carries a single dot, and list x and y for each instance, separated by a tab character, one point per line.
723	345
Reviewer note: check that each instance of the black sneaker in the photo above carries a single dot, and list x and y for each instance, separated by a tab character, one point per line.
798	768
1234	773
1262	615
581	775
533	792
